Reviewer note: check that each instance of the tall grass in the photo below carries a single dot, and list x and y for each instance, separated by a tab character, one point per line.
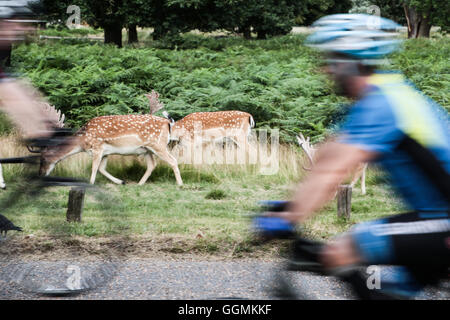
131	168
276	80
208	214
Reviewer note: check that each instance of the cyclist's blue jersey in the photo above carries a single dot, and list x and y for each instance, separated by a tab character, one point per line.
410	133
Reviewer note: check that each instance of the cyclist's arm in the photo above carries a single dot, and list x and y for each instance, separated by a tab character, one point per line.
334	162
21	103
369	131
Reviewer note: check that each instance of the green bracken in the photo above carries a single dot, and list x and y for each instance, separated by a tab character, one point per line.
277	80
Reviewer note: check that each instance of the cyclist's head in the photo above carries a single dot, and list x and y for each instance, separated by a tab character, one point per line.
15	20
354	45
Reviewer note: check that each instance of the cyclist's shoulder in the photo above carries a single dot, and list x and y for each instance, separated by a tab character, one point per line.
372	106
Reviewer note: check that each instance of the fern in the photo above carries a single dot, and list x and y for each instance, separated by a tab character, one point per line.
276	80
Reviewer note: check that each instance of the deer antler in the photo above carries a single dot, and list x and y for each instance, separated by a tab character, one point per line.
309	150
154	102
53	115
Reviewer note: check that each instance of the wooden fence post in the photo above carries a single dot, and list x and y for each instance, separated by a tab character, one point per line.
344	201
75	204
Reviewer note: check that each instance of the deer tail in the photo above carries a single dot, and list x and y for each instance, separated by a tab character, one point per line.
171	120
252	122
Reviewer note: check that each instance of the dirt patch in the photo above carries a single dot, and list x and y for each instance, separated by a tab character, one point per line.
133	247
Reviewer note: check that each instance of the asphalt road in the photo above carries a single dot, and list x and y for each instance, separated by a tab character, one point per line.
167	279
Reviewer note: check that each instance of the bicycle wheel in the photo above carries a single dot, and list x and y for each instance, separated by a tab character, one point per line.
49	257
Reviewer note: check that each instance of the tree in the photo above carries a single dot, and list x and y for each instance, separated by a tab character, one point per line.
418	15
106	14
54	12
110	15
138	14
169	18
266	17
421	15
310	10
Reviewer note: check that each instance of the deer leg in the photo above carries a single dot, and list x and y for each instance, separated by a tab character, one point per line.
150	166
240	150
96	160
2	181
234	141
102	169
360	173
243	142
167	157
363	180
355	179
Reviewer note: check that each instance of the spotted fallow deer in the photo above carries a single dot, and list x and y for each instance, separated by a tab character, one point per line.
214	126
146	135
360	171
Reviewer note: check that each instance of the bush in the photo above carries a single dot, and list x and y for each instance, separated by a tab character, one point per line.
216	194
63	31
276	80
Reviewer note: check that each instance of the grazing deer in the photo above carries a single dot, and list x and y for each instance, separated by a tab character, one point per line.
215	126
310	151
146	135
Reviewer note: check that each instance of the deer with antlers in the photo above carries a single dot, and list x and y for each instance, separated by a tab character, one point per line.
310	151
146	135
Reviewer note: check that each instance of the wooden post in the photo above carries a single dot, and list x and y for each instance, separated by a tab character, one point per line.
344	201
75	204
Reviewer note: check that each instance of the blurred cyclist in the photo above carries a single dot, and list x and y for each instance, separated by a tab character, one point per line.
18	99
395	125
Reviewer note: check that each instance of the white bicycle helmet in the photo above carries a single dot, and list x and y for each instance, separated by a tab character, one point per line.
366	38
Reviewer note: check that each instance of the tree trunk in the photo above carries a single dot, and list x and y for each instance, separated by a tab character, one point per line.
132	34
425	28
418	26
246	32
159	33
5	56
113	34
262	35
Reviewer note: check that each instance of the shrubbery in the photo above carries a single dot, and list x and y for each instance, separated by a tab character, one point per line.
276	80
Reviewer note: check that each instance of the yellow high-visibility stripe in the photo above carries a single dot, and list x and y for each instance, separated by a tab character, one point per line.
412	111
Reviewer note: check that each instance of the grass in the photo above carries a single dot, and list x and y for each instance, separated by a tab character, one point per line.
277	80
209	214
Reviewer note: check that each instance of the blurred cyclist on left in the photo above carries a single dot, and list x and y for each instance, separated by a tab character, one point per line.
17	98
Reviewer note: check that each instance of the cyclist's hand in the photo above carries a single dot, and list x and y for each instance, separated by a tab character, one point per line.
268	227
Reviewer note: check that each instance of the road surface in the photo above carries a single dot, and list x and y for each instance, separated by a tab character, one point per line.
166	279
